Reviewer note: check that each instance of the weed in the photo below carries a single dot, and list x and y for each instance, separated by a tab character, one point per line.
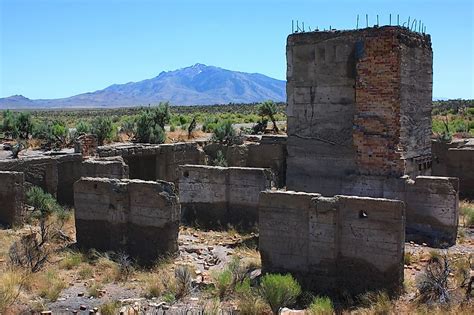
248	302
50	285
223	282
466	210
110	308
378	302
184	279
279	290
321	306
408	258
94	289
85	272
71	260
11	283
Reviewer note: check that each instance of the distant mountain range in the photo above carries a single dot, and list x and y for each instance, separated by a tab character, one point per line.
195	85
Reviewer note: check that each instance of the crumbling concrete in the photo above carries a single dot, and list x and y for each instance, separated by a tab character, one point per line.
86	145
54	174
432	203
268	152
12	197
335	244
150	162
214	196
455	159
113	167
138	217
359	103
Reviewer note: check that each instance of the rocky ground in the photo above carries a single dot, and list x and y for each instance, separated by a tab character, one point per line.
85	286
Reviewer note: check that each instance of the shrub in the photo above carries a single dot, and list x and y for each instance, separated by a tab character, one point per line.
129	126
83	127
151	124
224	132
321	306
279	290
223	282
184	280
248	301
102	128
32	250
432	283
9	125
220	159
24	125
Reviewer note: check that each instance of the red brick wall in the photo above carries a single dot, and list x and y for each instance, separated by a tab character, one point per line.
376	132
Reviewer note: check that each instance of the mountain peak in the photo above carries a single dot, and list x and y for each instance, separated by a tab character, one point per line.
198	84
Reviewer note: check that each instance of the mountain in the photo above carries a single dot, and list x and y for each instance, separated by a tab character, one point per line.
195	85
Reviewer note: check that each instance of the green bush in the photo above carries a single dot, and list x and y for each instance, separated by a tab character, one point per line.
220	160
151	124
103	129
17	125
83	127
223	282
224	132
321	306
279	290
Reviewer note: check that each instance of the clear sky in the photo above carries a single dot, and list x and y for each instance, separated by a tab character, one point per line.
59	48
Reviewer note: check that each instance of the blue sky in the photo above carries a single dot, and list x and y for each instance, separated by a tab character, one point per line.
59	48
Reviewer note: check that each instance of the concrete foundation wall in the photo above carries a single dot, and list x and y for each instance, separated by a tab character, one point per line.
12	197
215	196
333	244
452	159
138	217
54	174
268	152
432	203
113	167
151	162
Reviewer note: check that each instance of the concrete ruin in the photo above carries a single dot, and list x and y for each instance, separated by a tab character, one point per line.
213	196
140	218
113	167
54	174
12	197
455	159
151	162
359	123
86	145
359	103
334	244
268	152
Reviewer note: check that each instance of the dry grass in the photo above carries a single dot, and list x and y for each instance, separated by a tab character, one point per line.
47	285
249	256
11	283
71	260
466	213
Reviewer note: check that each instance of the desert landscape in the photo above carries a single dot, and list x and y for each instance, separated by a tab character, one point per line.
344	189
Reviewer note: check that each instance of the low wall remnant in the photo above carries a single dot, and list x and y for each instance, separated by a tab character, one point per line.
138	217
216	196
12	197
333	244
